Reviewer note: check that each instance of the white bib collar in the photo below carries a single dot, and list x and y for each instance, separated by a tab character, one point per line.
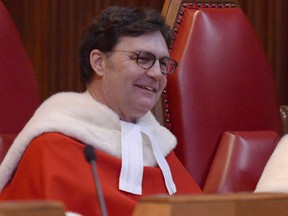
132	159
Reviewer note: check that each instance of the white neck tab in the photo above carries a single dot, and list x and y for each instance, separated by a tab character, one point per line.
132	159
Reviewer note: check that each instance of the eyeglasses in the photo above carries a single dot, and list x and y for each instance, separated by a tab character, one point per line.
146	60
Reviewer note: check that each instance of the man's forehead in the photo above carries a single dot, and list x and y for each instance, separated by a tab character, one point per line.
146	42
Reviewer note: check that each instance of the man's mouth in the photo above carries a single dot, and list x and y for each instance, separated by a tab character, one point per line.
147	88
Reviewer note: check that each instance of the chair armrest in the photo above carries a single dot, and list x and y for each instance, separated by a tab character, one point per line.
240	160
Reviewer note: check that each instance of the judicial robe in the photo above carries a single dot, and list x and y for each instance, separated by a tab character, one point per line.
51	166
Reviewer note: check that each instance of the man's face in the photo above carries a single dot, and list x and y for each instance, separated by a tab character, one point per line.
128	89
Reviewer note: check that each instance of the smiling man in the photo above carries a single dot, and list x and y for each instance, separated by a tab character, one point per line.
129	79
124	63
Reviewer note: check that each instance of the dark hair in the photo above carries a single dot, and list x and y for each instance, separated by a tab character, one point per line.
114	22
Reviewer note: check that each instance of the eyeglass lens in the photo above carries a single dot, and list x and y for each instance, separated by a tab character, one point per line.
147	60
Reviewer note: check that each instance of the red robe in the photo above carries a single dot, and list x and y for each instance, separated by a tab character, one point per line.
53	167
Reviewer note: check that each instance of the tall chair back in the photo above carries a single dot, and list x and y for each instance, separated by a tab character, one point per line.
224	81
18	88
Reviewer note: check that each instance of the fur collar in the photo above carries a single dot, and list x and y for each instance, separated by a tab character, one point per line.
79	116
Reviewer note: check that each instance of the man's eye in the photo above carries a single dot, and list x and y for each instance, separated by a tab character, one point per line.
163	64
145	57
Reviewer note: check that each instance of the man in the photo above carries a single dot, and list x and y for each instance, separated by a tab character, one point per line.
124	65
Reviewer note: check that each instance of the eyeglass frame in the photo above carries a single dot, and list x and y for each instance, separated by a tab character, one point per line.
138	53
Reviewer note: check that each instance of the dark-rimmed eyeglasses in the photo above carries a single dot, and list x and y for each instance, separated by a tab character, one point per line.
146	60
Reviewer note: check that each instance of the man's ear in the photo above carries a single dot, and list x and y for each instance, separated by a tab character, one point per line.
97	61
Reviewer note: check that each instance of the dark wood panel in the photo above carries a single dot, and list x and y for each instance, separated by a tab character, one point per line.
280	53
269	20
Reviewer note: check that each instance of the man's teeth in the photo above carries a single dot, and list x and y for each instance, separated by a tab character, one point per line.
147	88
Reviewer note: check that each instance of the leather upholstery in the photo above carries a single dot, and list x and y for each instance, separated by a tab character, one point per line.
223	83
240	160
5	142
18	88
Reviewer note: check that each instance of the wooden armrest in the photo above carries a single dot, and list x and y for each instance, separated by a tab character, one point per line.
31	208
239	204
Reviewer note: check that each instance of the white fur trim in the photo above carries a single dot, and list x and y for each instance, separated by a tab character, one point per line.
275	175
79	116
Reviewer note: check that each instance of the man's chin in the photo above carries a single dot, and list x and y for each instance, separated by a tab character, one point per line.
141	111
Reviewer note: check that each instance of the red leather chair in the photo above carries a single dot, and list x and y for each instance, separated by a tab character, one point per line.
223	83
18	88
5	142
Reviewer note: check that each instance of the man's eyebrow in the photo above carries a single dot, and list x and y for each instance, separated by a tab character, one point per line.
163	56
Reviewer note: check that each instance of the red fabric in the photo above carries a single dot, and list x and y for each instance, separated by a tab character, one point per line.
54	168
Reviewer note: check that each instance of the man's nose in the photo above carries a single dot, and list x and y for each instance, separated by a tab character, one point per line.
155	71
